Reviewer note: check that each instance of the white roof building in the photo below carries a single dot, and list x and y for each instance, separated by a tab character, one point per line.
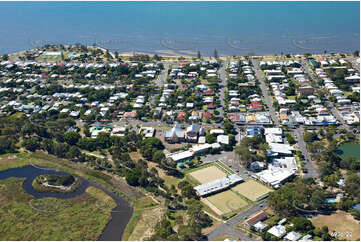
292	236
279	231
223	139
276	148
216	131
178	156
274	176
259	226
217	185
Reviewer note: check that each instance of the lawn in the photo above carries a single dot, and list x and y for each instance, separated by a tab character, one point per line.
227	201
348	150
252	189
291	97
208	174
340	222
76	218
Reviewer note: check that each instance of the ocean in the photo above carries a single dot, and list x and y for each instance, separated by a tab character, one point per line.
183	28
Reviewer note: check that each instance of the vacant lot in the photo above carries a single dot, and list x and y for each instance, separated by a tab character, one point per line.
141	225
207	174
227	201
251	189
78	218
145	226
340	222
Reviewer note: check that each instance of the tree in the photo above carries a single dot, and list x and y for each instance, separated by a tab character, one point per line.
87	131
356	53
72	137
74	153
187	190
7	144
199	54
302	224
291	140
215	54
196	214
352	184
317	199
5	57
103	140
163	231
132	177
158	156
309	136
31	144
210	138
190	232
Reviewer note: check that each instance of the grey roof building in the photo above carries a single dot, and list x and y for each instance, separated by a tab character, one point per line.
176	134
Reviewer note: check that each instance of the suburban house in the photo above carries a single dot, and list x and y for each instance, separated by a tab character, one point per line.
292	236
278	230
191	134
305	90
260	216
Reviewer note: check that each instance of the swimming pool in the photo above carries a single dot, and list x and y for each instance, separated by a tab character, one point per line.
330	200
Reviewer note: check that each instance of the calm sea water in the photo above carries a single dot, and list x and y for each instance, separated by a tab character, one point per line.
184	27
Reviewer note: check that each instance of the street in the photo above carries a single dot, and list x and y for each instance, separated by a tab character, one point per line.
229	226
222	89
267	98
162	78
312	171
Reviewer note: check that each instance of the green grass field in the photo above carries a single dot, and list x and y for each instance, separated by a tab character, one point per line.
76	218
252	189
349	150
227	201
207	174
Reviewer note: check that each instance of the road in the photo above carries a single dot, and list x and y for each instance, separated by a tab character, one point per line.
312	171
162	78
267	98
222	89
228	227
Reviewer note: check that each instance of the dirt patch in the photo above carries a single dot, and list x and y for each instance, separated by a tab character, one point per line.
8	159
210	205
146	224
135	156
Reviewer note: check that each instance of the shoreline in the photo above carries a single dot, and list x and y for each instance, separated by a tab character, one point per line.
171	54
